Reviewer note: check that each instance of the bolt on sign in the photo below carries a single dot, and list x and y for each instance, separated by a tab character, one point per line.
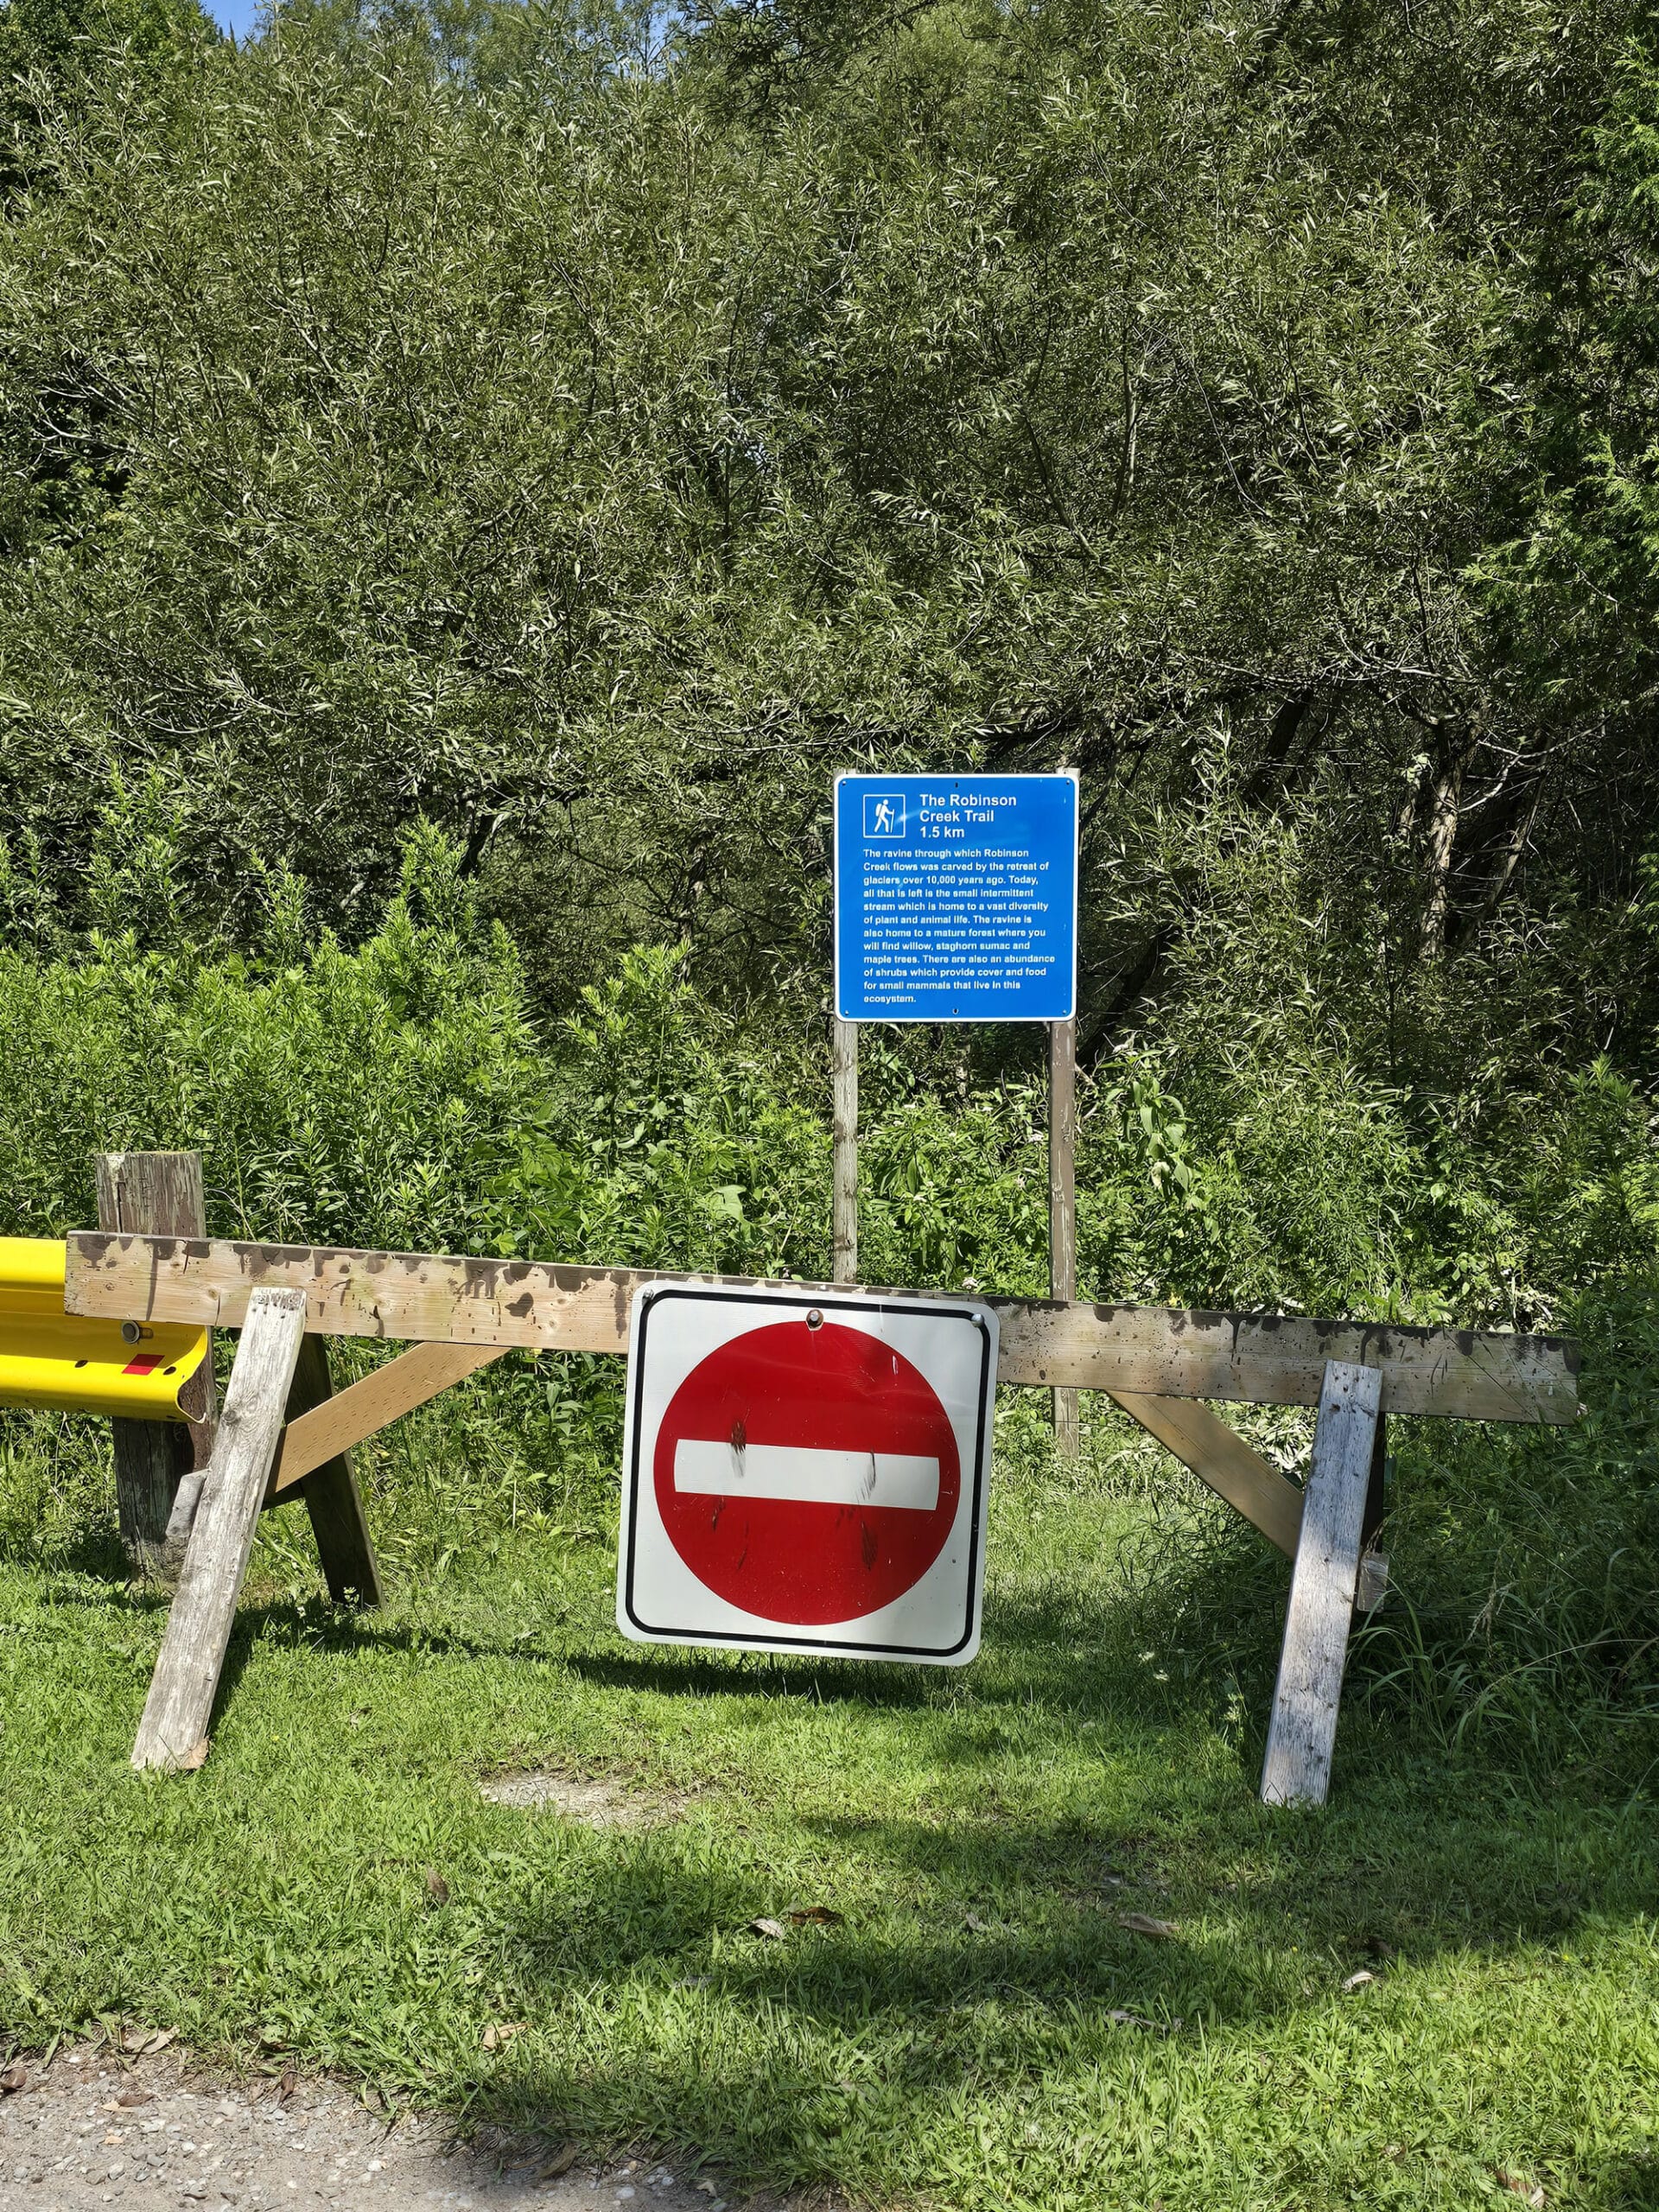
806	1472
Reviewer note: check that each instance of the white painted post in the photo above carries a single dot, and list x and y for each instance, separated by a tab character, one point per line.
1303	1730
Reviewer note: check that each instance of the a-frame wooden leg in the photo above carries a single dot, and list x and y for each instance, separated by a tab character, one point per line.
174	1729
1302	1733
331	1494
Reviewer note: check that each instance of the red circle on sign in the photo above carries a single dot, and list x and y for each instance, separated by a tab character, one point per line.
826	1395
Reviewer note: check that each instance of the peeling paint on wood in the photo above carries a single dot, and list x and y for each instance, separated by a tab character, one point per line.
1263	1359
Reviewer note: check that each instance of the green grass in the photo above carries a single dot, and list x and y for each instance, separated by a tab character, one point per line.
952	2041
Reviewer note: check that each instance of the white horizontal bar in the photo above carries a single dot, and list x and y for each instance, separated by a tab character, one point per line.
781	1471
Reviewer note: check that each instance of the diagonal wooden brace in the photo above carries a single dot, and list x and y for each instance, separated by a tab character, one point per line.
1218	1455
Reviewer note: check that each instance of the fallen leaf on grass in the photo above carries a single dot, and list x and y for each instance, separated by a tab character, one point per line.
144	2041
1358	1980
194	1760
503	2031
818	1915
1142	1923
773	1929
436	1888
14	2078
1526	2190
560	2162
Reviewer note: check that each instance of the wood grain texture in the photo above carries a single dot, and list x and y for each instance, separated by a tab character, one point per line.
378	1399
156	1193
181	1701
345	1549
1219	1456
844	1078
1302	1734
1063	1207
1145	1350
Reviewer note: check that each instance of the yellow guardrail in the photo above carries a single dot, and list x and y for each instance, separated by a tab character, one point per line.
59	1361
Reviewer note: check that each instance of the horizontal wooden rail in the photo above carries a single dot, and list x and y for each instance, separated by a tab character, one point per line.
1143	1350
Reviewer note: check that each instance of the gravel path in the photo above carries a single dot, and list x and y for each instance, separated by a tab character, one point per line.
156	2133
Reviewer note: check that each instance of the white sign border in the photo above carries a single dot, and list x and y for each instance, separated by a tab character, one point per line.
827	1302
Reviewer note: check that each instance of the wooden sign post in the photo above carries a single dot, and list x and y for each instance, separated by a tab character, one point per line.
1063	1205
844	1078
955	900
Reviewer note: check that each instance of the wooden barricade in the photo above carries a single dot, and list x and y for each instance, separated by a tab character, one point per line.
1156	1362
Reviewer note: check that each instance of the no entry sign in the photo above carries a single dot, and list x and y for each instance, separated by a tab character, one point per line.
806	1471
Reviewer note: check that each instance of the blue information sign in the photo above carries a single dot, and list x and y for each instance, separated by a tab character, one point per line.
956	898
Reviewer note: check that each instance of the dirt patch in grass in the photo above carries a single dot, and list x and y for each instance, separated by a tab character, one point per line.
597	1801
153	2132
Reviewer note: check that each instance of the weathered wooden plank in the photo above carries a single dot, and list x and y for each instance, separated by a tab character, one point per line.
1144	1350
174	1729
1063	1206
843	1079
1302	1734
378	1399
1219	1456
156	1193
345	1549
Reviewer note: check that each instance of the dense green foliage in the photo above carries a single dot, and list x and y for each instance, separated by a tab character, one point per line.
588	443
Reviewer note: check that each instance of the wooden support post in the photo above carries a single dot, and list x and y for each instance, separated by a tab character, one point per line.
843	1074
174	1729
1302	1733
158	1194
1063	1205
331	1494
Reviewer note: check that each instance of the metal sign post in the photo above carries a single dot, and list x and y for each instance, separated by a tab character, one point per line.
957	901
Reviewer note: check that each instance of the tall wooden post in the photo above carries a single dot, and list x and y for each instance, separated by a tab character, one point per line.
1062	1204
843	1072
155	1194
